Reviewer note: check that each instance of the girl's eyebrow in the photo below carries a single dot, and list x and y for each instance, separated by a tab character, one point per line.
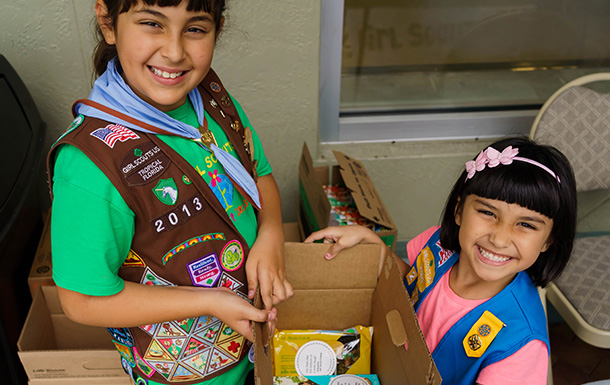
158	14
524	218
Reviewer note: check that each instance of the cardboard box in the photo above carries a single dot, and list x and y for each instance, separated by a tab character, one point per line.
41	270
344	292
52	346
314	206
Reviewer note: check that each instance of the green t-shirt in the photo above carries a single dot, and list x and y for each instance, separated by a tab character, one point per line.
92	226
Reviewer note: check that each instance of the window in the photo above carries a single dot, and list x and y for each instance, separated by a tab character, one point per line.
422	69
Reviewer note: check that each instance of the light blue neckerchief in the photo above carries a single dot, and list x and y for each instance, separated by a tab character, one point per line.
111	90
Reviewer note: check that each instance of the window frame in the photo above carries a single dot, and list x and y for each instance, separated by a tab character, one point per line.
335	126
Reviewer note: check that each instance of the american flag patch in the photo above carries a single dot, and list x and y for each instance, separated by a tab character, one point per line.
113	132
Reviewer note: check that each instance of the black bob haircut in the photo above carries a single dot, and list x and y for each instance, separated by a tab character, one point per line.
528	186
103	52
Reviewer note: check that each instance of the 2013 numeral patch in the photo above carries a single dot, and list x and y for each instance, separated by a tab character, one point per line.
179	215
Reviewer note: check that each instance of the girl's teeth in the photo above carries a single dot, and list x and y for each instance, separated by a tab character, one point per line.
492	257
165	74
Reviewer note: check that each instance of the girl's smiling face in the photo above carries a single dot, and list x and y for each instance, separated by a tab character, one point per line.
499	239
164	52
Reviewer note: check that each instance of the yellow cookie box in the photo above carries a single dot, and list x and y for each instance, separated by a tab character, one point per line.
352	349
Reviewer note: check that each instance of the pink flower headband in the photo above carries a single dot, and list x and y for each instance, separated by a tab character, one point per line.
492	157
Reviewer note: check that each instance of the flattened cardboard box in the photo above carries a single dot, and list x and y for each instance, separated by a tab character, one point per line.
344	292
314	206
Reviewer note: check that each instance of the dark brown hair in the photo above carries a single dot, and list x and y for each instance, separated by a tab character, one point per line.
104	52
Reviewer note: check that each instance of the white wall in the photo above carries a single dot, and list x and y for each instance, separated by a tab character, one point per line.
268	57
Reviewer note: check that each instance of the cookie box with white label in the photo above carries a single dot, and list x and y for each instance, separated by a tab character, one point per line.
354	288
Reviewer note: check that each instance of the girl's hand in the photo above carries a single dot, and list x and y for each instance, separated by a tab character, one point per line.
265	265
238	313
265	269
344	237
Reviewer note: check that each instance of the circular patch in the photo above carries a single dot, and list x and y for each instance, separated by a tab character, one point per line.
474	342
251	354
186	179
484	330
315	358
232	255
215	87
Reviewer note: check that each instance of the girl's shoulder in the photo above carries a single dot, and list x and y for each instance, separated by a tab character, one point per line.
415	245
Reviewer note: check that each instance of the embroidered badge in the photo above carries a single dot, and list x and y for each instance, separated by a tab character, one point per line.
150	329
232	255
164	368
113	133
169	329
482	334
193	241
122	335
444	254
186	180
183	374
146	369
143	164
125	352
222	188
133	260
173	345
186	324
166	191
218	360
215	87
233	347
151	278
198	361
204	271
425	267
195	346
229	282
412	275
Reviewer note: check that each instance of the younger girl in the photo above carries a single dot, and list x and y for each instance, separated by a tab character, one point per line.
165	215
507	227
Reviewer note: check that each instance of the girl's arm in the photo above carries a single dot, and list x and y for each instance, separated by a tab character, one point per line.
344	237
265	263
138	304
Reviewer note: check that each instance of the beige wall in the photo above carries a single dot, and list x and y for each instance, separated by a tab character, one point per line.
269	59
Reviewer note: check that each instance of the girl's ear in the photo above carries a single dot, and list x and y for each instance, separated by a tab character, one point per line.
547	244
105	22
457	213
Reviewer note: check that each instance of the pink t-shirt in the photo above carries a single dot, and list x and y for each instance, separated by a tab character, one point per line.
442	308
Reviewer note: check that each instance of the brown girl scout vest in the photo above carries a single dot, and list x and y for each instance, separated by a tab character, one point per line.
183	237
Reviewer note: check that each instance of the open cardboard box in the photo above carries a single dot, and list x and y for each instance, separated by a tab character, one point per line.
314	206
346	291
52	346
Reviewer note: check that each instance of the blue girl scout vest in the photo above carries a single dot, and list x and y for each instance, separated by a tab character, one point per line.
488	333
183	237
